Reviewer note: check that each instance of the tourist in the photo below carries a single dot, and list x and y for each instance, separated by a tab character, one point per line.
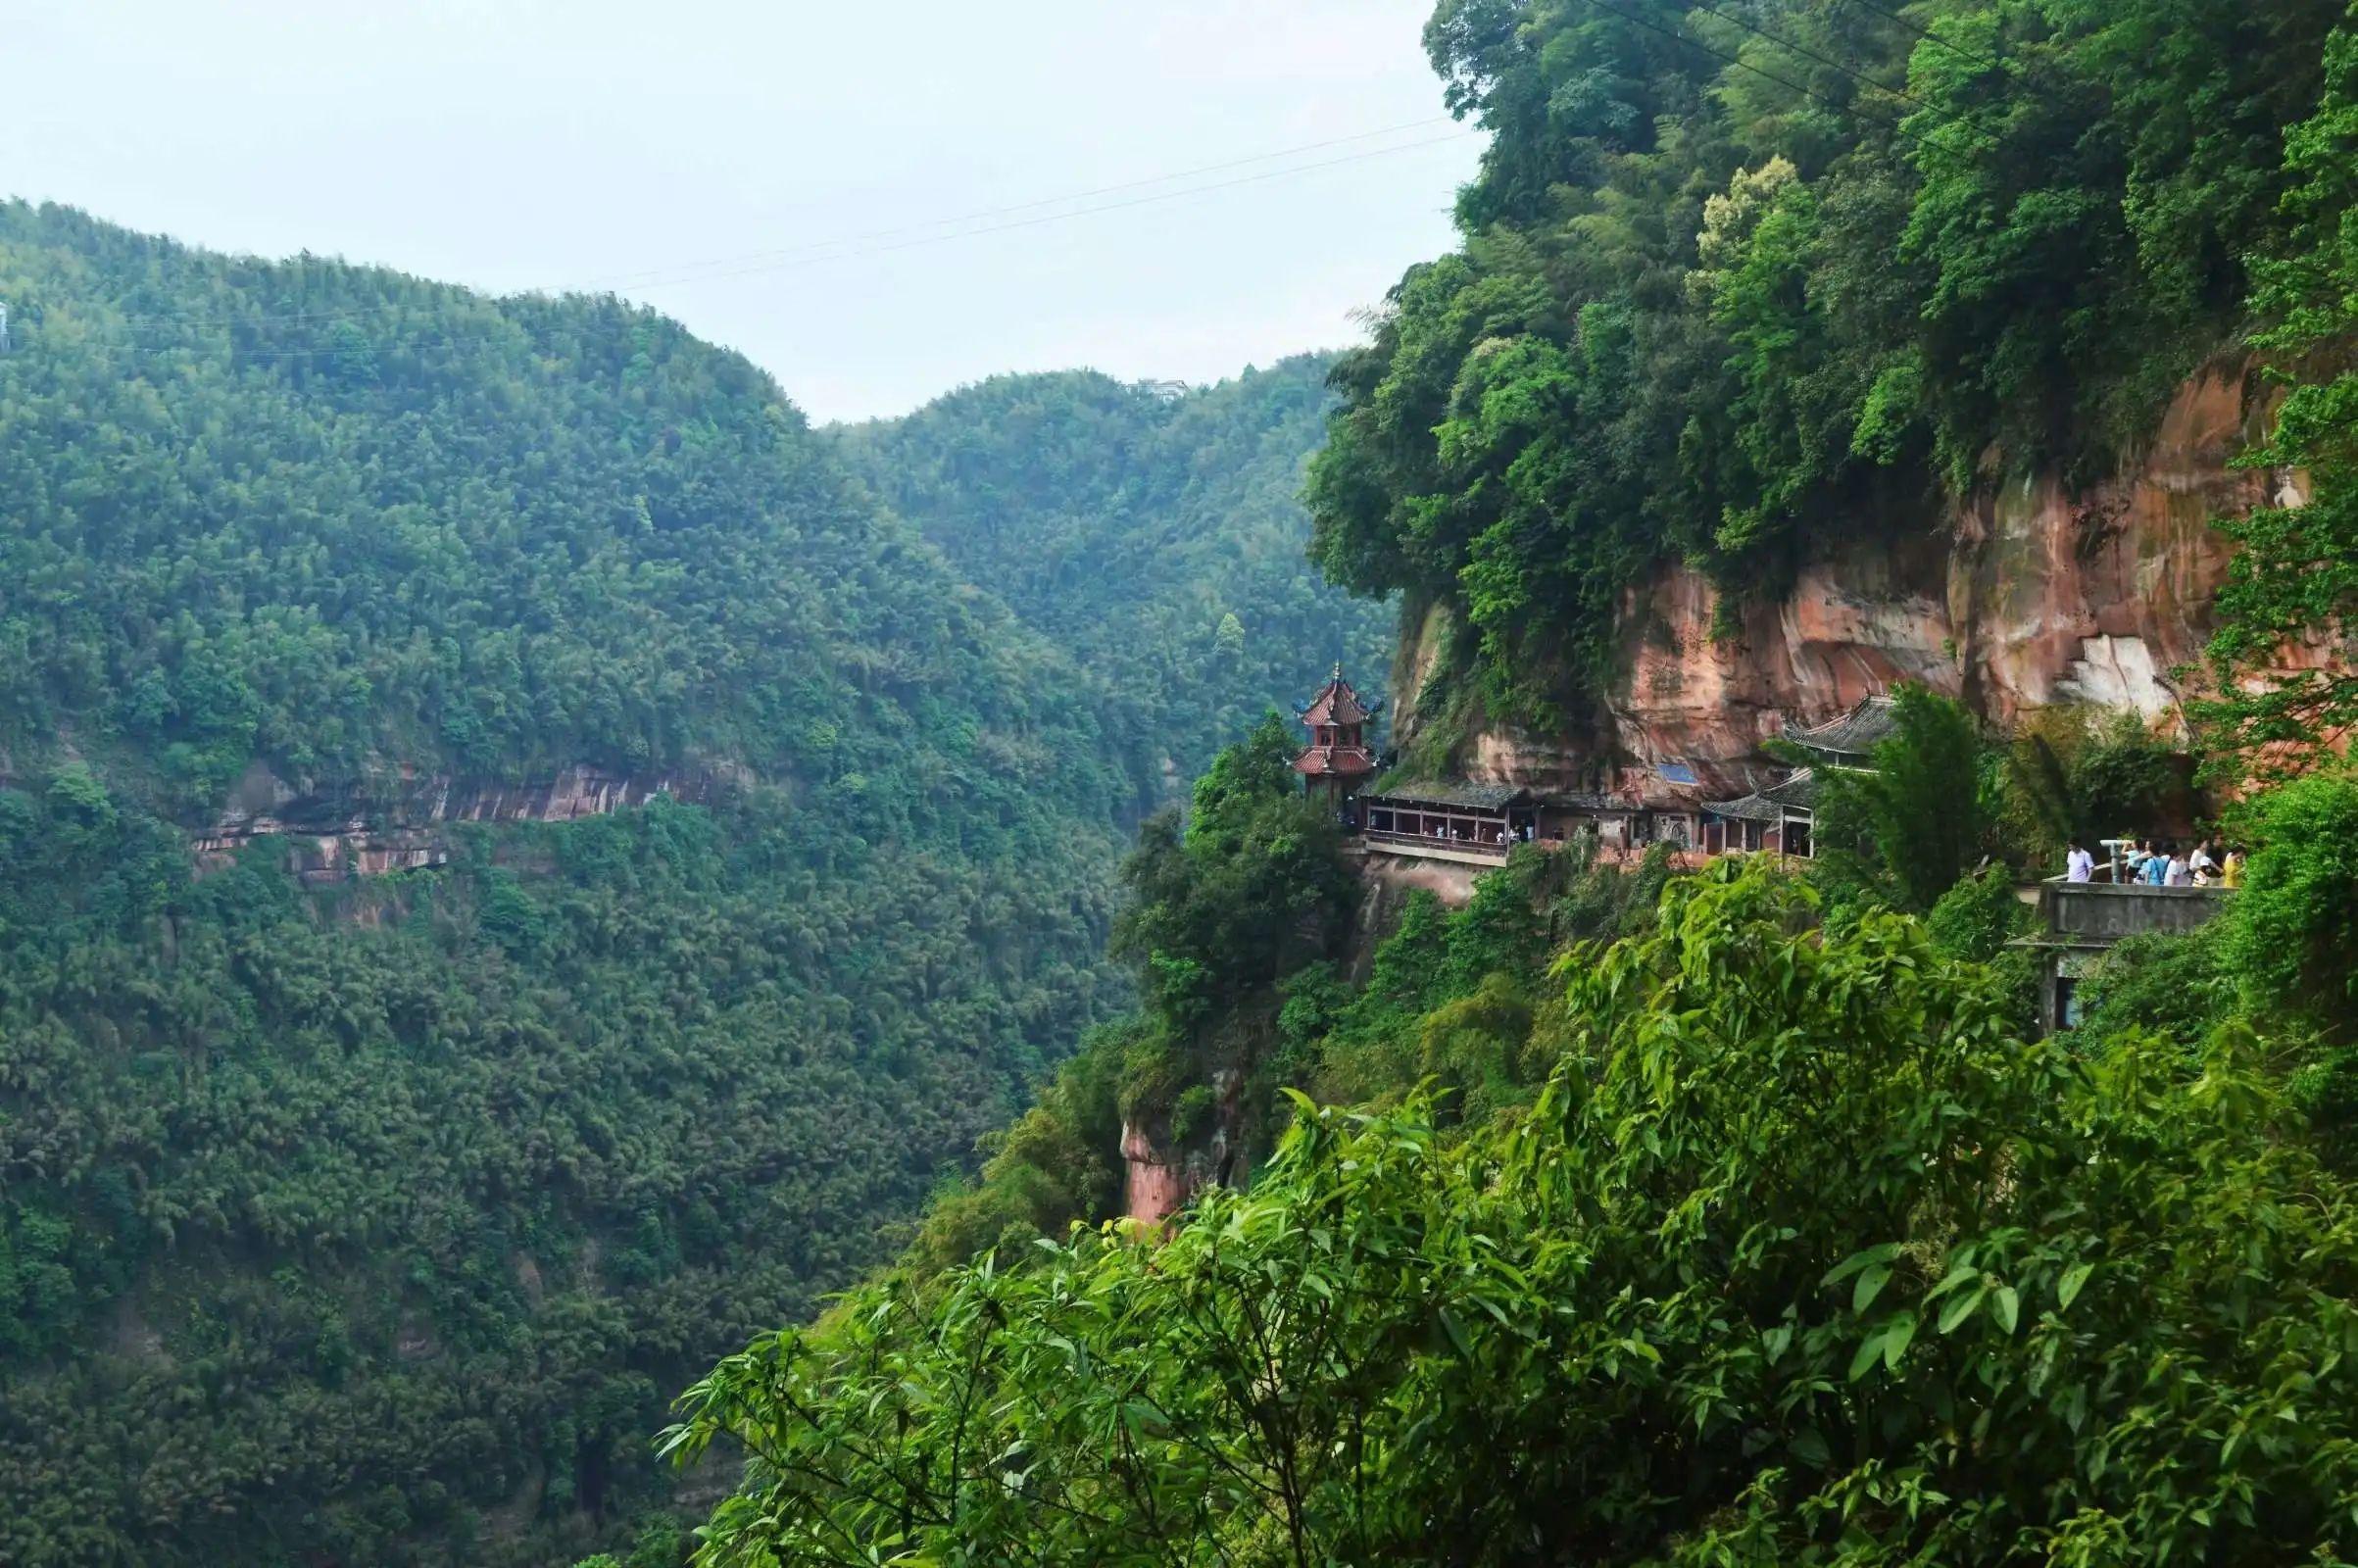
2176	874
2201	865
2079	865
2230	870
2156	868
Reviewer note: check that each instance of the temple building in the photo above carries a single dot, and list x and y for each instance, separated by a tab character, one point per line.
1337	761
1782	818
1848	740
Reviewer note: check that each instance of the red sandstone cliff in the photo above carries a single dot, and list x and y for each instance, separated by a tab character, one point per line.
399	824
2022	597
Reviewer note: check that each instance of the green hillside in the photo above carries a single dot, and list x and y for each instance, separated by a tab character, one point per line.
1156	538
376	1222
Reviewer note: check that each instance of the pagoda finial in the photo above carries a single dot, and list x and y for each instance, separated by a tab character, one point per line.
1338	669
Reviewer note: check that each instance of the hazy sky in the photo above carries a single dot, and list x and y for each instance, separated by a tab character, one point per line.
775	174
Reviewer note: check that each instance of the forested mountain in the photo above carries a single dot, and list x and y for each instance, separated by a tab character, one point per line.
375	1221
1155	535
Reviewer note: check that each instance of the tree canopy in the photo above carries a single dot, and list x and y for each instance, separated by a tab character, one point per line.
1801	1256
1737	279
375	1221
1159	539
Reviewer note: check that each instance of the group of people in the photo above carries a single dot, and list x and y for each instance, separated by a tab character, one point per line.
1461	834
2165	866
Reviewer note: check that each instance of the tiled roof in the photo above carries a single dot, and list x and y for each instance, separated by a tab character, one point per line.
1747	809
1347	762
1337	703
1853	734
1799	792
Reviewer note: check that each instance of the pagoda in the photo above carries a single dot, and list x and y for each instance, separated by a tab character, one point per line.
1337	760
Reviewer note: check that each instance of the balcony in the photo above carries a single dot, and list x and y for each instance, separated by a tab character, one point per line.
2101	914
2083	921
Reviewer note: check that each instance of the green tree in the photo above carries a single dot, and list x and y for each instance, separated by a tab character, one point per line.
1735	283
1796	1231
2297	575
2293	932
1916	813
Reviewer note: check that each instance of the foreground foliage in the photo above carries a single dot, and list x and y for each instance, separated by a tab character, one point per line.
1801	1256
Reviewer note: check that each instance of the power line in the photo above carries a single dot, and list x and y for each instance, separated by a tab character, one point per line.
1046	201
1829	61
1921	31
792	262
588	285
1054	218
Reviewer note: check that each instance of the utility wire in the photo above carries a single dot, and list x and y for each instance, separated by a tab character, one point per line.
796	263
588	285
1991	61
1829	61
1054	218
1046	201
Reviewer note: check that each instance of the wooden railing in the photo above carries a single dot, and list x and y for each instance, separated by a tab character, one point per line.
1424	844
1427	844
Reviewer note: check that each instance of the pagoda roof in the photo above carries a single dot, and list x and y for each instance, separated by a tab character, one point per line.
1856	733
1798	792
1337	703
1336	761
1747	809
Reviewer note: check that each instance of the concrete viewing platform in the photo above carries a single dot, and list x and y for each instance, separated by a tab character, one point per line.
2081	921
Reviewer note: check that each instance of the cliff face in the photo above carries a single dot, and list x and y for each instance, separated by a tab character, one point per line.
1159	1175
399	824
2021	598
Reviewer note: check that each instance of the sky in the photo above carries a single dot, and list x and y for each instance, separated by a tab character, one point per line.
782	175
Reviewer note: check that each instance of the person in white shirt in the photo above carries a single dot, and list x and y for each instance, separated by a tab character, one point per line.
2177	876
2204	868
2079	865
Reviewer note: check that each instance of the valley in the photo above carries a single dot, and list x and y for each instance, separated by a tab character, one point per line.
1523	938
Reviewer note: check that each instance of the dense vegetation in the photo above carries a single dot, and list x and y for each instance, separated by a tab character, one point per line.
1762	1233
345	521
376	1222
1739	275
387	1244
1759	1235
1159	539
1797	1254
1240	930
2296	577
